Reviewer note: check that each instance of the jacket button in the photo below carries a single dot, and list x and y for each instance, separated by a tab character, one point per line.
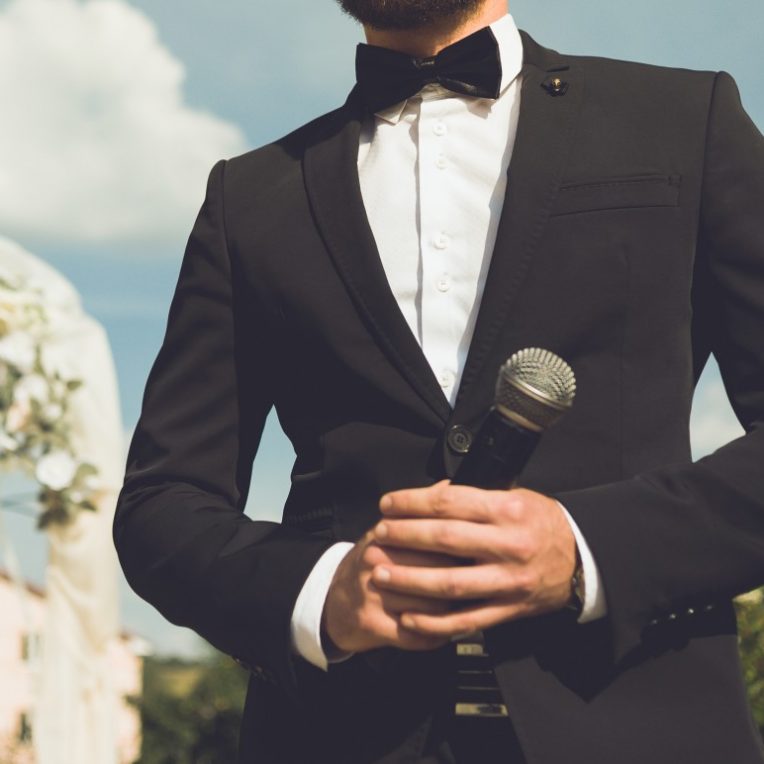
459	439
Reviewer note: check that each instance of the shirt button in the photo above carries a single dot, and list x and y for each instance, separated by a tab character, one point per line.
446	378
444	283
439	128
442	241
441	163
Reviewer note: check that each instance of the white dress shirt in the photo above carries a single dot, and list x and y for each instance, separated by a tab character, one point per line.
433	175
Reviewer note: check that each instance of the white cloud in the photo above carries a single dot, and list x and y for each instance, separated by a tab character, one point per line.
96	142
713	422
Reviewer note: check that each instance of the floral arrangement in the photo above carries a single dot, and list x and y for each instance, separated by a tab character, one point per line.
35	426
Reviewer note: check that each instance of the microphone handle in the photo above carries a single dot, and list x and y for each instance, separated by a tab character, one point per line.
500	452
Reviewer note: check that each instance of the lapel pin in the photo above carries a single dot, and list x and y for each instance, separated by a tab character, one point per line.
555	86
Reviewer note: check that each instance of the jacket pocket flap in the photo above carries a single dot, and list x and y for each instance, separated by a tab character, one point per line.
318	521
618	193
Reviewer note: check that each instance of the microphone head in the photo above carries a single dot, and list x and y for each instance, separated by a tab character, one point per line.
535	388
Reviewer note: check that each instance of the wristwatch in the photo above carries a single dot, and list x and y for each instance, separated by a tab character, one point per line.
577	590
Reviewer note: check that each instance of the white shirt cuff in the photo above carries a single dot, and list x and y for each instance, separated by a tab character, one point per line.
309	607
595	605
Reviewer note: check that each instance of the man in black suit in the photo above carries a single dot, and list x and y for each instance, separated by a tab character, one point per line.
367	274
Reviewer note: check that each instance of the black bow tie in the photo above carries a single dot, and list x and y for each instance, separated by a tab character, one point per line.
471	67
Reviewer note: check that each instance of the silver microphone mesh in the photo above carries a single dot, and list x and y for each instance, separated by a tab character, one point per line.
535	387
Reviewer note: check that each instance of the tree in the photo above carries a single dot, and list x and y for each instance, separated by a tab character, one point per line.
750	618
191	711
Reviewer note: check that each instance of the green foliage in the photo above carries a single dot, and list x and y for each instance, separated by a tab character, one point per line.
191	711
750	618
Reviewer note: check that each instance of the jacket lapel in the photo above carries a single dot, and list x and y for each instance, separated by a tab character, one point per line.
544	136
334	192
545	133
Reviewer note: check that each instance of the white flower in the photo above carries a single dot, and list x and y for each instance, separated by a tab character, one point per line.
92	482
17	416
8	318
58	388
7	443
15	309
13	300
33	387
35	451
56	470
53	411
18	349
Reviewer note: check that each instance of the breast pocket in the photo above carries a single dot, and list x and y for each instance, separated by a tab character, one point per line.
655	190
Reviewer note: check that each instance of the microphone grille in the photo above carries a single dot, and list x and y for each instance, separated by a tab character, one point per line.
536	386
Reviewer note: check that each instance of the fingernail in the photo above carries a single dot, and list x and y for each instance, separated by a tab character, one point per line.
382	574
385	502
381	531
407	621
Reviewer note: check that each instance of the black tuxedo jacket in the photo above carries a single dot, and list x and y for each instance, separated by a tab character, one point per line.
632	244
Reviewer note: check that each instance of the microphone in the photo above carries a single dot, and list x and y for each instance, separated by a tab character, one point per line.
534	389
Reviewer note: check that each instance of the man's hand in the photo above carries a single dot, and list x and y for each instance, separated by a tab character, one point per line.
360	616
520	544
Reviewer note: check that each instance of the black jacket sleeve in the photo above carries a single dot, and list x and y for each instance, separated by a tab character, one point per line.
183	540
689	536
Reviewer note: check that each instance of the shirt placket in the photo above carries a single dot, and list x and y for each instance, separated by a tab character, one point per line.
437	240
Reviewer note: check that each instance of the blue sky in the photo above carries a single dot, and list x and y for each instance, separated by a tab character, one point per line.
165	88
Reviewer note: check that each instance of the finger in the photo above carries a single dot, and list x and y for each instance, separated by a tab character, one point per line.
405	639
443	500
395	603
453	537
387	629
377	554
466	620
457	583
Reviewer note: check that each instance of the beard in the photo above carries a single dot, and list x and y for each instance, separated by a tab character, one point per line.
409	14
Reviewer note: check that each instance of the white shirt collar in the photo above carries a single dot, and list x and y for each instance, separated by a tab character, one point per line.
510	54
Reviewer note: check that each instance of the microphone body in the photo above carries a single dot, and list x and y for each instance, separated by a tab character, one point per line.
501	450
534	389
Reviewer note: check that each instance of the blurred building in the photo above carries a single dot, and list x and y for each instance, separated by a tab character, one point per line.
22	614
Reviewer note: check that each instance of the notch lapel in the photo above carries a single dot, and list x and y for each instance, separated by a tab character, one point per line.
334	193
545	132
